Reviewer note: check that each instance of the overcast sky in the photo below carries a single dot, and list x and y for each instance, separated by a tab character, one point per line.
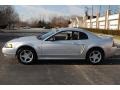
26	12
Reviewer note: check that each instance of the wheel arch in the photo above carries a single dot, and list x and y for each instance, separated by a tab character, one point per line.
27	46
95	47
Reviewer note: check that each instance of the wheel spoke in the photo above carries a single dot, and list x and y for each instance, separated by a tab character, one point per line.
94	60
25	52
25	60
23	56
30	54
91	57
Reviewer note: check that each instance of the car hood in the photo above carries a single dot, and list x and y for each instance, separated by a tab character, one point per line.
25	39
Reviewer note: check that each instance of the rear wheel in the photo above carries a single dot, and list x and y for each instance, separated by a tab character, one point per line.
26	55
95	56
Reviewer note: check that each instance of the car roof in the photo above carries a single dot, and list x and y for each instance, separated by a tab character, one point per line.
77	29
71	29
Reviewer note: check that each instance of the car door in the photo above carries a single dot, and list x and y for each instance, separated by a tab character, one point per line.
61	48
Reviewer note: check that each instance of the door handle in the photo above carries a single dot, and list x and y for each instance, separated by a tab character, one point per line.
75	43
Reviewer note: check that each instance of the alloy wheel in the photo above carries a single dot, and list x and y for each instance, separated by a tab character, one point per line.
26	56
95	56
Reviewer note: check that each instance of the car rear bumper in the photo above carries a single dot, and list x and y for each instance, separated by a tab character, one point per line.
111	52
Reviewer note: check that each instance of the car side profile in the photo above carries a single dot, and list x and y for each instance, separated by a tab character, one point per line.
64	43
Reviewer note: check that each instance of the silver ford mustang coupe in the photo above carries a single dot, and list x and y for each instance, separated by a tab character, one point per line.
64	43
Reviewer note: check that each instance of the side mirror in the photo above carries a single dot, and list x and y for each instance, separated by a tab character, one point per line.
51	39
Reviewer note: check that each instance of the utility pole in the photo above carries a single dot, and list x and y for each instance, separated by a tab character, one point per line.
92	11
100	10
108	7
86	11
91	17
86	16
109	10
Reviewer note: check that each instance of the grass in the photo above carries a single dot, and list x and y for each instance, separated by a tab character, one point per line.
116	37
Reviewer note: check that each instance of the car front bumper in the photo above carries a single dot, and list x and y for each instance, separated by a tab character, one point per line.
9	52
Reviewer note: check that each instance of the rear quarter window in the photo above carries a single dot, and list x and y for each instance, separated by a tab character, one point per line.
82	36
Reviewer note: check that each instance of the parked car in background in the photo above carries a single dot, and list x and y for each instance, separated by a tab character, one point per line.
26	27
64	43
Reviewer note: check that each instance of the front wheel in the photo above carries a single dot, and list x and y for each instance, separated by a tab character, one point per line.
26	56
95	56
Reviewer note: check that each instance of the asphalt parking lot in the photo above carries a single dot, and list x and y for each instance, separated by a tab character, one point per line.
56	72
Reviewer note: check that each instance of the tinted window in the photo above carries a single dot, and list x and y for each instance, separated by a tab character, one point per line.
79	35
82	36
75	35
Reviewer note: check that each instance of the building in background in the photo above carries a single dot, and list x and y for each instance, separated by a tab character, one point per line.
109	19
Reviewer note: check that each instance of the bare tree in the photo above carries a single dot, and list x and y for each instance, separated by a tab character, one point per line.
8	16
59	22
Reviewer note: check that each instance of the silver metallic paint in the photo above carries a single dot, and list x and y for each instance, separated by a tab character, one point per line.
65	49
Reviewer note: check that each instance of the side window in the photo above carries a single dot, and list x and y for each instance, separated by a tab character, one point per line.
68	35
82	36
75	35
65	35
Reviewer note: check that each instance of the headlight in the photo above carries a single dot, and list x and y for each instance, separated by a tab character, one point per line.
9	45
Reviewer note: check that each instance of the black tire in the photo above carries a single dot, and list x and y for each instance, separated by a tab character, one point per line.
98	61
27	49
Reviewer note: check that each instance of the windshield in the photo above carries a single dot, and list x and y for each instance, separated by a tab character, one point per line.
45	35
